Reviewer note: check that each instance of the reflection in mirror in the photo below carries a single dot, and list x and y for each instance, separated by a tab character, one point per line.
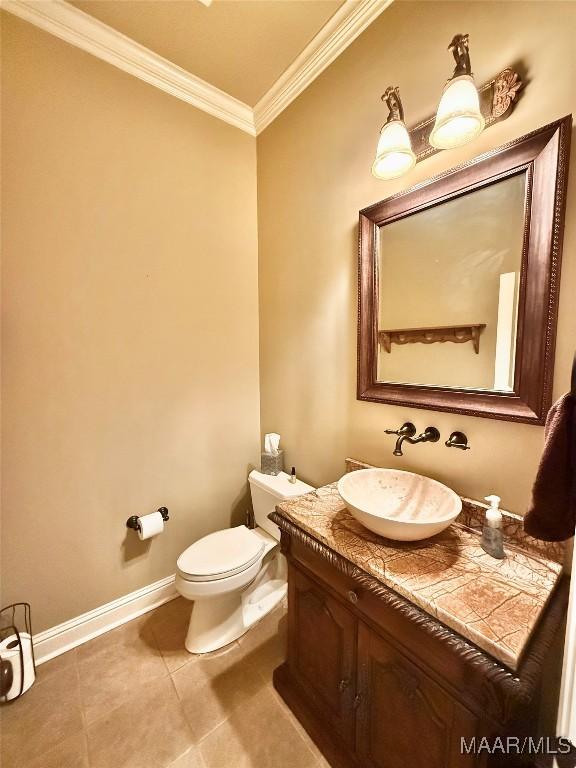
448	282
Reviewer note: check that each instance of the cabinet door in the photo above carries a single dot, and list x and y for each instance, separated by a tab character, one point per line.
404	717
322	651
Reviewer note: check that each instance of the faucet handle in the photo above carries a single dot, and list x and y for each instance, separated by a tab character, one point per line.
406	430
457	440
431	435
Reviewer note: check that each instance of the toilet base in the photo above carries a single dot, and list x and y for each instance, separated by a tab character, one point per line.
221	619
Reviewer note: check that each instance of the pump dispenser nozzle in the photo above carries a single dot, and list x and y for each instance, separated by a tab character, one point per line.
493	515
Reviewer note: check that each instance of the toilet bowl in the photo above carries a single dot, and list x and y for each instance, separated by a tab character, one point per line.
237	575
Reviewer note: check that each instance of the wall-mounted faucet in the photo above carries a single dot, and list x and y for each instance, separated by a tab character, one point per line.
407	432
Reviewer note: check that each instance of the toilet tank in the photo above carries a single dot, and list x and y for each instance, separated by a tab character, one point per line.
269	490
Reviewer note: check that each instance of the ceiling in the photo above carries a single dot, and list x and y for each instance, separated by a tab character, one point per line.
239	46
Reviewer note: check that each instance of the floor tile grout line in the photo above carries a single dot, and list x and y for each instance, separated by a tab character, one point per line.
86	747
233	646
303	737
300	730
228	716
40	669
183	711
197	754
89	725
191	746
81	700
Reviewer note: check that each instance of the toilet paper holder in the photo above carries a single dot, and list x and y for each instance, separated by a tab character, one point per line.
134	521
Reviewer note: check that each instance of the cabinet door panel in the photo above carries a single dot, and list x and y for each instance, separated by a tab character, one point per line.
405	718
321	651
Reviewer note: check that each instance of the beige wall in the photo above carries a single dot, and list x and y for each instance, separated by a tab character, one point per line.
130	325
313	177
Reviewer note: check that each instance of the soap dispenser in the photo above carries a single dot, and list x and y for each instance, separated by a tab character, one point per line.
492	536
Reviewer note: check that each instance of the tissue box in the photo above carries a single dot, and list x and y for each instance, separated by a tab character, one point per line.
271	464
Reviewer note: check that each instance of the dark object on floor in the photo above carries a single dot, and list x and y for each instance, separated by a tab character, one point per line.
6	677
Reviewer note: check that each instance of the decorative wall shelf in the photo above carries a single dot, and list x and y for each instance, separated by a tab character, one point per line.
458	334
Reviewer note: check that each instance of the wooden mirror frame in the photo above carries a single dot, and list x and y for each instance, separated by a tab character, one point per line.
543	156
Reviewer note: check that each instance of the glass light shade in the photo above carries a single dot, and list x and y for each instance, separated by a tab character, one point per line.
458	118
394	155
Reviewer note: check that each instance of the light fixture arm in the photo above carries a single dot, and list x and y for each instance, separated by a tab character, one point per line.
461	52
391	97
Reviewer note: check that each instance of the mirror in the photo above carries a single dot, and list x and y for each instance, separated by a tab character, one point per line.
458	284
448	283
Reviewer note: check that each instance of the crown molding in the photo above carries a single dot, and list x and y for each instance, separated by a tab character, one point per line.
341	30
72	25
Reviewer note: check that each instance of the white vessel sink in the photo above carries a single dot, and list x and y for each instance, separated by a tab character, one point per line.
400	505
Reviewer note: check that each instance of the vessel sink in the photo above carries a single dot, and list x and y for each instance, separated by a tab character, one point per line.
399	505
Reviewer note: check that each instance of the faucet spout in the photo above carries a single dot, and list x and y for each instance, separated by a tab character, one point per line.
398	447
406	430
430	435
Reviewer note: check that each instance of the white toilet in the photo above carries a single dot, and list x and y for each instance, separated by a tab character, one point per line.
236	576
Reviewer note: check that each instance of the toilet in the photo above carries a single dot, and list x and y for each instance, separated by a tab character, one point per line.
238	575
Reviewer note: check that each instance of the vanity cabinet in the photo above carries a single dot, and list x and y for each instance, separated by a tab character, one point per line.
381	705
322	639
378	683
404	718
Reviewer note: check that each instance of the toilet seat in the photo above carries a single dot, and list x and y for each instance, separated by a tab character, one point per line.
220	555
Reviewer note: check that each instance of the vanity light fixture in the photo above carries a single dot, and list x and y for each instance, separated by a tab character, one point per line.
463	113
394	155
458	117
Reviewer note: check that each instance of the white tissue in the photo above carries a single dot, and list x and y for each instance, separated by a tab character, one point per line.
271	443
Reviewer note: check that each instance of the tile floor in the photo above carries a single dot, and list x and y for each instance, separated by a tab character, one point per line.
135	698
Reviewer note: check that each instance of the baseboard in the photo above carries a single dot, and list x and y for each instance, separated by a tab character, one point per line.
56	640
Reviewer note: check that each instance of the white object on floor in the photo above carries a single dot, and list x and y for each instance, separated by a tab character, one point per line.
10	652
236	576
399	505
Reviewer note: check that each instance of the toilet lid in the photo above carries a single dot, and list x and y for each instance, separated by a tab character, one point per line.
220	554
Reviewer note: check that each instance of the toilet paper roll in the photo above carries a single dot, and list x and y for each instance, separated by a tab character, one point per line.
10	652
150	525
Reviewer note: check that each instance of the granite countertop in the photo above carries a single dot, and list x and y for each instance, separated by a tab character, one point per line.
496	604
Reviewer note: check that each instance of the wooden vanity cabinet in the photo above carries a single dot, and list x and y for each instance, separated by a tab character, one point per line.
377	683
404	718
322	651
382	706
